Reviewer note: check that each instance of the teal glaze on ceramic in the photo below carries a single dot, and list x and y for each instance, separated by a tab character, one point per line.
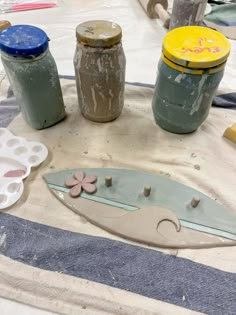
95	198
127	189
33	75
182	101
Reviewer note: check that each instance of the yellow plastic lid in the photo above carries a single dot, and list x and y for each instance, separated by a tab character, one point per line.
196	47
98	33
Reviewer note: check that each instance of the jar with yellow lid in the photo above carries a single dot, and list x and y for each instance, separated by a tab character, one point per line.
99	64
189	72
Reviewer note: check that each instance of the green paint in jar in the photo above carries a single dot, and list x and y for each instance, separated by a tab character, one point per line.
33	75
189	73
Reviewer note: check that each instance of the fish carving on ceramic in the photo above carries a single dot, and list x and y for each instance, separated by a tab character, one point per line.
145	208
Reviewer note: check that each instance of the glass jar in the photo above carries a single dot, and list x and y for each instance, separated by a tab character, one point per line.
189	73
99	64
187	12
33	75
4	24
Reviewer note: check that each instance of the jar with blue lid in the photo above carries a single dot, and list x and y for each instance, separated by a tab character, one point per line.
99	63
33	75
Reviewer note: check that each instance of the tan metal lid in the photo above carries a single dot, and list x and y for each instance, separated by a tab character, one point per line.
4	24
98	33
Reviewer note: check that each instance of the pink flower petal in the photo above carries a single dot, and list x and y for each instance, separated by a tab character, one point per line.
89	188
91	178
75	191
79	175
70	182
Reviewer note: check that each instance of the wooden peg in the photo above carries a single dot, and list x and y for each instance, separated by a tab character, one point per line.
108	181
147	191
195	201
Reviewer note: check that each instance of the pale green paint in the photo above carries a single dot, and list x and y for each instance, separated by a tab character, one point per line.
206	229
182	101
37	89
96	198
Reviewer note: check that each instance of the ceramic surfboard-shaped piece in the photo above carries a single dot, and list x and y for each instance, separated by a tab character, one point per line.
125	208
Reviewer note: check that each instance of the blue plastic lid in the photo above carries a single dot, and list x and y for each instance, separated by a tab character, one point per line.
23	40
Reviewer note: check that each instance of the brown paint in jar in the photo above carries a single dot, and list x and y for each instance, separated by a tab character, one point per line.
99	64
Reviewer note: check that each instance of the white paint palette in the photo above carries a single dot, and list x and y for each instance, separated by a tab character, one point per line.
17	157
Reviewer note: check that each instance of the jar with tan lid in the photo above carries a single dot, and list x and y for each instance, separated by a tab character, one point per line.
99	64
4	24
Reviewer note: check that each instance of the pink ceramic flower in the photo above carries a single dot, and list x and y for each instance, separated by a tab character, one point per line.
81	182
